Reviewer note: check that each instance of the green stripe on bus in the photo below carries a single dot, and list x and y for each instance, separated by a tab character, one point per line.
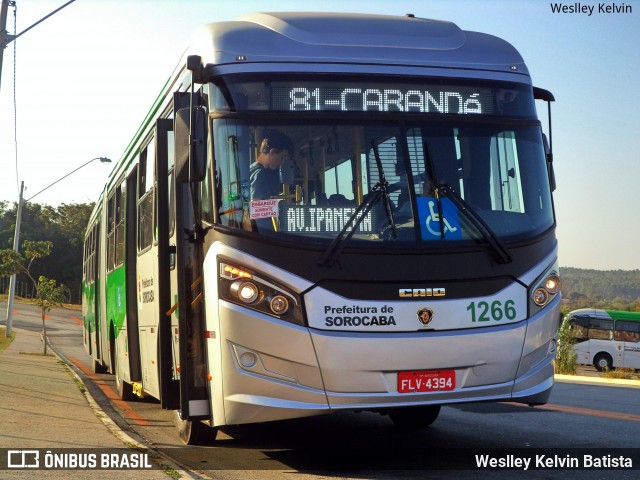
620	315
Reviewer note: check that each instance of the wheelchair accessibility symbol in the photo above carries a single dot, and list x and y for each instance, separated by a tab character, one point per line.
431	222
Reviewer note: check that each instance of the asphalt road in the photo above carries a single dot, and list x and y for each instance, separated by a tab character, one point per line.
581	417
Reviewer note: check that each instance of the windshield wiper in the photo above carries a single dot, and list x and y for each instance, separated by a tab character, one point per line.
443	189
492	239
384	189
379	190
332	253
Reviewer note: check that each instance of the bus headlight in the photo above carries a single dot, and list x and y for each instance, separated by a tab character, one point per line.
279	304
540	297
247	292
545	289
254	290
553	283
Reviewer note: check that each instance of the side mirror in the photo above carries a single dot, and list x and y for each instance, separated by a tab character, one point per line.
190	146
547	96
542	94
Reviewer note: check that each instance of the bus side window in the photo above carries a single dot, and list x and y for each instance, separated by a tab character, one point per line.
90	253
145	197
627	331
580	328
111	232
84	262
120	200
600	329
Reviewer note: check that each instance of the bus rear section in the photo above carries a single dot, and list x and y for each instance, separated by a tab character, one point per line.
606	339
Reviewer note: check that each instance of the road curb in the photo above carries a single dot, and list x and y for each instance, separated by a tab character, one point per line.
612	382
166	463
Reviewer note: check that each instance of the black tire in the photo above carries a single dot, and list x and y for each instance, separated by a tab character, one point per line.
415	417
194	432
603	362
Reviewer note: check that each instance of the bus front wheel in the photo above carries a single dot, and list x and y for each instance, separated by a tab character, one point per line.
194	432
415	417
603	362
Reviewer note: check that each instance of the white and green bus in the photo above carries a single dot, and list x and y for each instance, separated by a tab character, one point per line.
606	339
405	257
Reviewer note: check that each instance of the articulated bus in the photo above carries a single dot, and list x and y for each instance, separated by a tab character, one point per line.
606	339
402	255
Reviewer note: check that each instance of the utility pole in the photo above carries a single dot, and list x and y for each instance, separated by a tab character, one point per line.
5	38
12	282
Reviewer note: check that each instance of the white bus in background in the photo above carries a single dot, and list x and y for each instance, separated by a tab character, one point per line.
606	338
406	260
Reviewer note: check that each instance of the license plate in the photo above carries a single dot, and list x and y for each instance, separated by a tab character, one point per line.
426	381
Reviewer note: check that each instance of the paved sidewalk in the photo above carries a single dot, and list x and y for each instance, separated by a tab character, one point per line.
42	406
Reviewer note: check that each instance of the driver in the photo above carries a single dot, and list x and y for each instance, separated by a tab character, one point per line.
264	174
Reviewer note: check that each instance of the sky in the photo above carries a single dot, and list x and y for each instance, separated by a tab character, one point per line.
85	78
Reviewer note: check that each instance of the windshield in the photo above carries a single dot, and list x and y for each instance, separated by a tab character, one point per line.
304	180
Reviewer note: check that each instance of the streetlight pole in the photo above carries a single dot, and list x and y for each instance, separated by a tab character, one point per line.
16	237
5	38
12	281
102	160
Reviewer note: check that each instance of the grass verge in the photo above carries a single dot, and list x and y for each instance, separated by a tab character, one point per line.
622	373
4	341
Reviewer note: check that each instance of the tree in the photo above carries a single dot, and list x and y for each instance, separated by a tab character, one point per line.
566	356
49	295
66	263
63	225
7	225
13	263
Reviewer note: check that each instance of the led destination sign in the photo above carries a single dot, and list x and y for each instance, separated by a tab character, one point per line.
411	95
450	100
321	220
